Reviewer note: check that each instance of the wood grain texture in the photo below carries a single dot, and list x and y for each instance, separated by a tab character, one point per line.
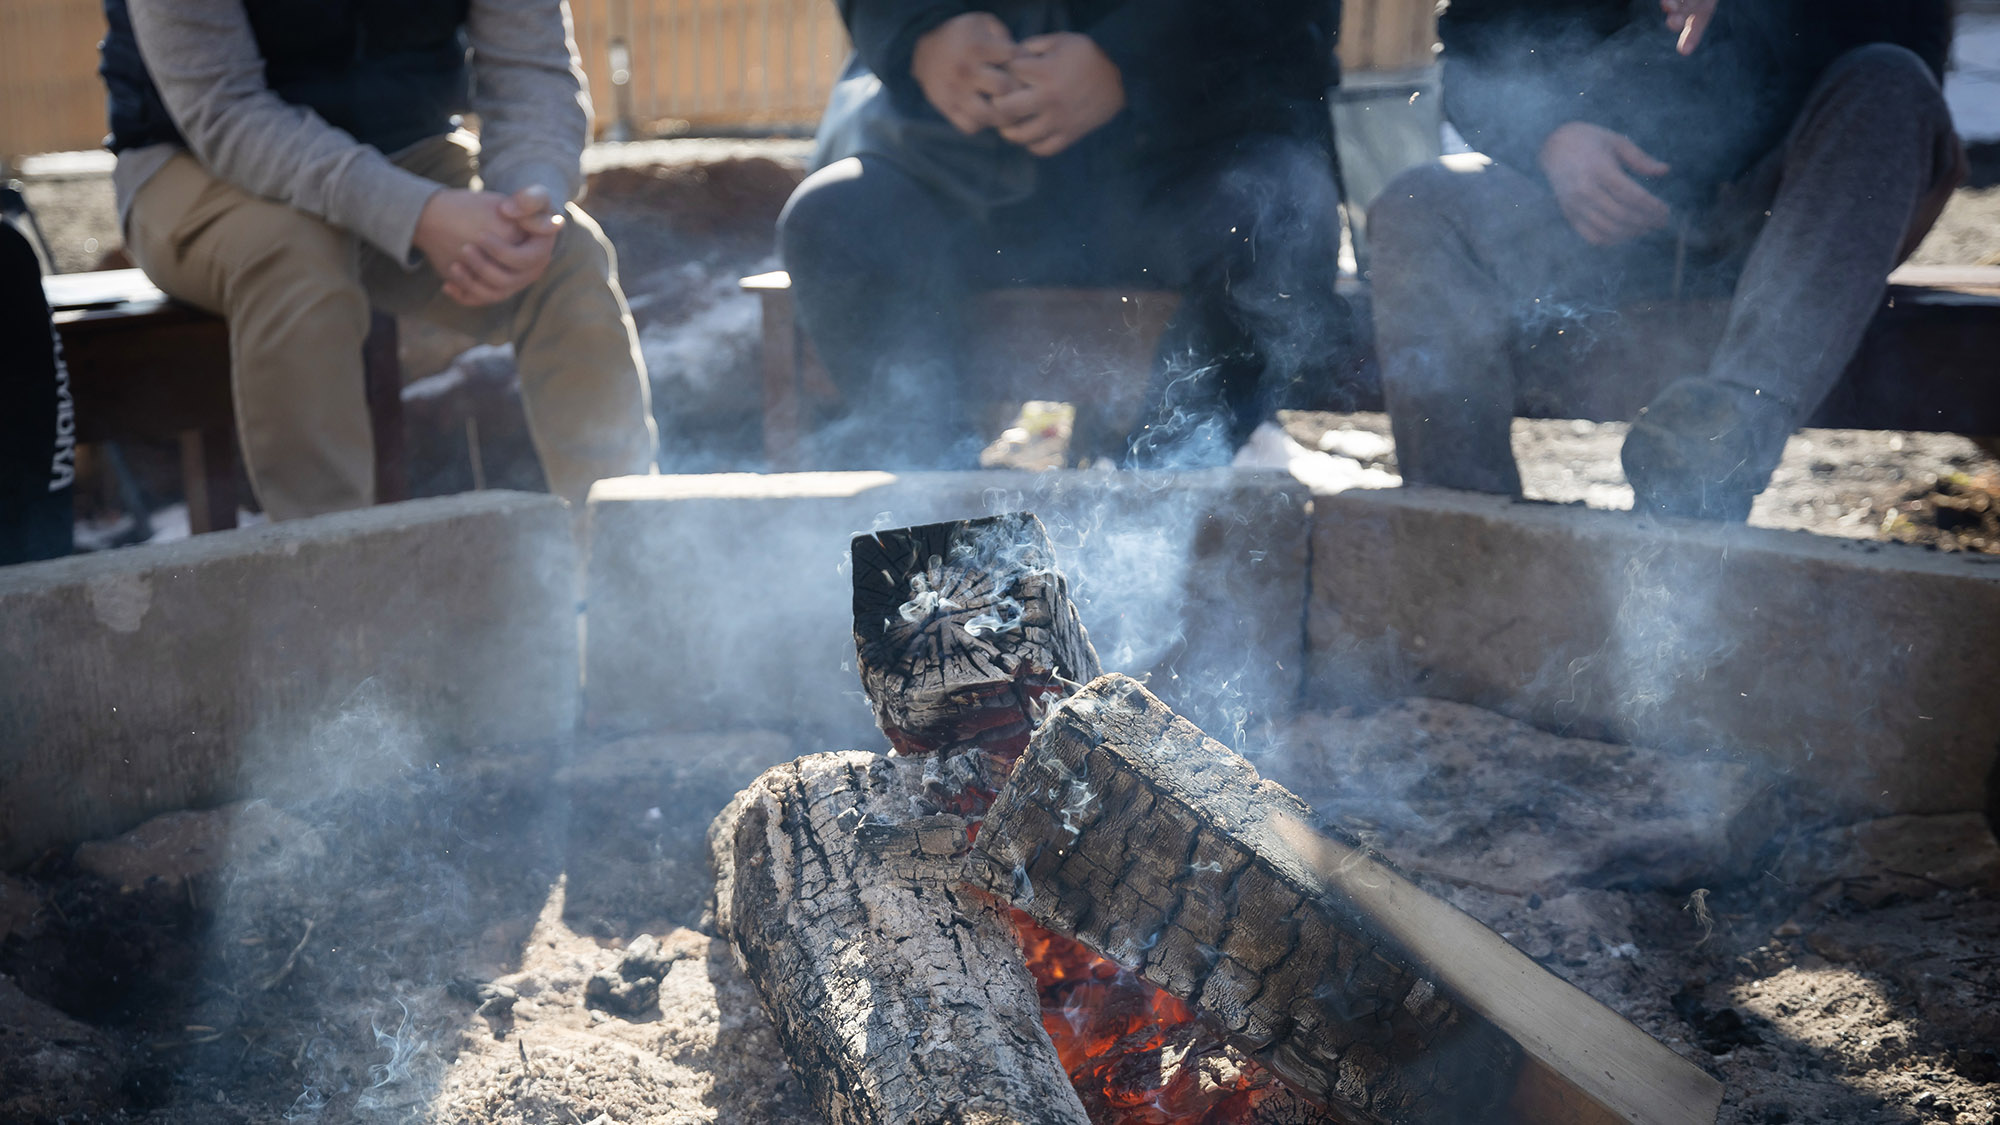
900	998
960	626
1126	827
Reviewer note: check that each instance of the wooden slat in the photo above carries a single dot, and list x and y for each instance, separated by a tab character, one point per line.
50	96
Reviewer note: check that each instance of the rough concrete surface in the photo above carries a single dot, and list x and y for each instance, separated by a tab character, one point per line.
162	677
1862	670
724	601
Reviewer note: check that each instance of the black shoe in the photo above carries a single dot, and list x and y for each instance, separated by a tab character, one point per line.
1704	449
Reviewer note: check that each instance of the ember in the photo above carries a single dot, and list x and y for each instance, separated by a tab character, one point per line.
1136	1055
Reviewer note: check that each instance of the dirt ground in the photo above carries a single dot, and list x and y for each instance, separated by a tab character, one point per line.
423	949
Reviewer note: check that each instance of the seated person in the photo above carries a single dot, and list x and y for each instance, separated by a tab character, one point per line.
1783	154
287	165
1184	145
37	416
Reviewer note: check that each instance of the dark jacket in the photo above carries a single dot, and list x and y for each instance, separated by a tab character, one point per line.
389	73
1196	72
1515	70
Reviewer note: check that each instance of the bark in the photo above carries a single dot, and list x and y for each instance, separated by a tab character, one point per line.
960	628
899	997
1126	827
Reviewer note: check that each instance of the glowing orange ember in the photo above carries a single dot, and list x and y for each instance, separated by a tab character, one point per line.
1136	1054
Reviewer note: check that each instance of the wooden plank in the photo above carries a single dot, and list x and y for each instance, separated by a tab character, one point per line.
1125	827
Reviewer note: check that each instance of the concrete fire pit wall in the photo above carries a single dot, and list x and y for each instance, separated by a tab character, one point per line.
1868	671
163	677
723	602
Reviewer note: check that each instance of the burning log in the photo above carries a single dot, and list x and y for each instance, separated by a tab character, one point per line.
961	628
901	997
1126	827
898	997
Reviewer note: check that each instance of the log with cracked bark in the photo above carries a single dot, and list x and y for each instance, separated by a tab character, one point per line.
1126	827
961	628
899	996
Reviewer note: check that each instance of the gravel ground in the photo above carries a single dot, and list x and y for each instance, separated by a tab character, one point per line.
1855	484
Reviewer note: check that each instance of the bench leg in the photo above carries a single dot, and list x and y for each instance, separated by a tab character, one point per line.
382	373
782	408
208	473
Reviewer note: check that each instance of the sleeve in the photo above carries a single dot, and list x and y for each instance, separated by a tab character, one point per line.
885	34
529	92
210	74
1188	63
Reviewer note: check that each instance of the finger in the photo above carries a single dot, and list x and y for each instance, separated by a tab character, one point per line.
1695	26
1011	110
1638	159
994	81
1633	202
527	203
1050	146
475	265
517	257
1040	44
968	116
1031	132
1615	221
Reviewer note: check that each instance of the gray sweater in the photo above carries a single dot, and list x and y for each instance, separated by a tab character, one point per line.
528	90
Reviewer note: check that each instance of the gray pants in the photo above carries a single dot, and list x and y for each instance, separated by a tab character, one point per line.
1469	264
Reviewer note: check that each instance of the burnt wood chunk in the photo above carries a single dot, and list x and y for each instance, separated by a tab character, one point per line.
1125	827
959	627
900	998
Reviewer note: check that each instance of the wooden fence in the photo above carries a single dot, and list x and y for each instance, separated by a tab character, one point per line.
689	65
50	97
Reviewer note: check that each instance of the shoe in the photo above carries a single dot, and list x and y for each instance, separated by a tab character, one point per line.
1704	449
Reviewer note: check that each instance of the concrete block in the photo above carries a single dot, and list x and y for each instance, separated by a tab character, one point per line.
1864	670
721	602
294	655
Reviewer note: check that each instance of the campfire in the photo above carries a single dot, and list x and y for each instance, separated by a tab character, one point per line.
1057	901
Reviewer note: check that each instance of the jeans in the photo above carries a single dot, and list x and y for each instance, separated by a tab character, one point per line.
882	266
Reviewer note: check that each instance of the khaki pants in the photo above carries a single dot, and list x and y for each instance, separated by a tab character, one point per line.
296	292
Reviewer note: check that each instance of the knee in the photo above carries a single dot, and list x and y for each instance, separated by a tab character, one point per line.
583	249
1884	74
846	216
1415	201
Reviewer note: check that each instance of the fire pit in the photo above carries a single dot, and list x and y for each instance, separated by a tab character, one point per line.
1290	973
399	928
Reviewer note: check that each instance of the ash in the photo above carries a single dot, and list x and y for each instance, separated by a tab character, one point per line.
421	947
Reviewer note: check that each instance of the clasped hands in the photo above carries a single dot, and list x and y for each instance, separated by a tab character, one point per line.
487	246
1591	169
1044	93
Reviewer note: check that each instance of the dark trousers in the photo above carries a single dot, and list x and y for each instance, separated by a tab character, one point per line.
1469	265
37	418
881	268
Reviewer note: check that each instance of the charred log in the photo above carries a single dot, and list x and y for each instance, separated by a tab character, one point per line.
960	629
899	997
1126	827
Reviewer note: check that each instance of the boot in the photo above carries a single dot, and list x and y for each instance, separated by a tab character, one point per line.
1704	449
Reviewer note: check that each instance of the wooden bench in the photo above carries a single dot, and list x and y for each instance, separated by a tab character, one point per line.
1929	362
143	366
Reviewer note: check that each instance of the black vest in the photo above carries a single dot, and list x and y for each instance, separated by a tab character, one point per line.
390	72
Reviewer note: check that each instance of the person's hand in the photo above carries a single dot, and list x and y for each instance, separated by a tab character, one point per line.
1069	87
961	65
487	246
1691	18
1589	168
